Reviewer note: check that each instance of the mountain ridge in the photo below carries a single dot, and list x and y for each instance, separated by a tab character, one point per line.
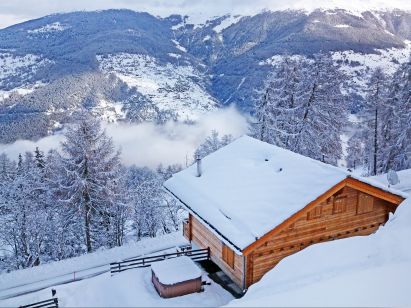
223	60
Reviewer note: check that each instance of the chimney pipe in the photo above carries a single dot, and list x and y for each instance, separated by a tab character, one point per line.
198	160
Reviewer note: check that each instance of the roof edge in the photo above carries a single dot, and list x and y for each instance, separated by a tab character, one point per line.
348	181
215	230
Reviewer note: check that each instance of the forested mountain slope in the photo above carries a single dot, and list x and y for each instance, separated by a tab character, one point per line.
155	69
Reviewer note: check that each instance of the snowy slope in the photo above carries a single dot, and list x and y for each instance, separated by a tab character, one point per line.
358	66
405	180
22	68
177	88
59	271
372	271
131	288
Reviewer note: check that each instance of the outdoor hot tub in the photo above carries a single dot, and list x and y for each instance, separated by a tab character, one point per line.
176	277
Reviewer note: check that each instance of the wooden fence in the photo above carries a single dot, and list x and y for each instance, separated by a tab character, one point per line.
195	255
50	303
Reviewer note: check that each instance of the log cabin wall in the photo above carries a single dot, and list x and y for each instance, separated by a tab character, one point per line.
203	237
347	213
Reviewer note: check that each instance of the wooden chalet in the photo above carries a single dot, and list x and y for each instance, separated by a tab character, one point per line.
254	204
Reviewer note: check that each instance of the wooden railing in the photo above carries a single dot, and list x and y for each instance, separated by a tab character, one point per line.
195	255
50	303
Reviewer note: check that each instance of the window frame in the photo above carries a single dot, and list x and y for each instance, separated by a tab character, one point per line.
315	213
366	205
340	205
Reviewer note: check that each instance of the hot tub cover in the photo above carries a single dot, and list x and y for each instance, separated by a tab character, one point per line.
175	270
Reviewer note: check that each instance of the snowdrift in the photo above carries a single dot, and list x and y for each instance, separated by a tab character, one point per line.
371	271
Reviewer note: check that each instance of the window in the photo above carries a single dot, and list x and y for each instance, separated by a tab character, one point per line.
340	205
314	213
365	203
228	255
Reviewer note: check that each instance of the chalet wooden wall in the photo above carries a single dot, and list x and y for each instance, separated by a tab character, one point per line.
204	238
347	213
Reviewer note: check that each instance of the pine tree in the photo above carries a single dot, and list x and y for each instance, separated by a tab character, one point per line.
374	108
147	201
396	131
91	178
323	112
302	108
277	109
39	156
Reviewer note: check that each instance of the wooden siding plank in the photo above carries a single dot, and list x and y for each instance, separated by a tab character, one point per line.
303	231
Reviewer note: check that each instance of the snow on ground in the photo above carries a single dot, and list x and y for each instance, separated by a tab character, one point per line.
176	270
170	87
342	26
228	21
371	271
129	288
178	46
54	27
29	88
21	67
100	258
405	180
359	66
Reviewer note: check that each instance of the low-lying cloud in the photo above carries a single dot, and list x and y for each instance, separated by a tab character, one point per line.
148	144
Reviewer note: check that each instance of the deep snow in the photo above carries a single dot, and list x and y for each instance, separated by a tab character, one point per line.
249	187
371	271
175	270
129	288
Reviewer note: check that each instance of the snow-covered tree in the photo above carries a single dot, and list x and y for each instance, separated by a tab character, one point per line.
90	185
277	107
372	112
302	108
322	113
147	197
212	143
167	172
23	225
396	128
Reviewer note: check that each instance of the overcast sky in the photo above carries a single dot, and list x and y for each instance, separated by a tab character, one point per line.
15	11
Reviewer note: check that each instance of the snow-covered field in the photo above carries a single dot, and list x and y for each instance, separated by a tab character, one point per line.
372	271
87	265
20	67
170	87
130	288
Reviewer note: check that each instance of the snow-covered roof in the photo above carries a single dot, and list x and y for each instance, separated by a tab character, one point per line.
373	271
405	180
249	187
175	270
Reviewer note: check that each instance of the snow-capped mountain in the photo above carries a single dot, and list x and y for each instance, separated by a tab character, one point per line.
125	65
